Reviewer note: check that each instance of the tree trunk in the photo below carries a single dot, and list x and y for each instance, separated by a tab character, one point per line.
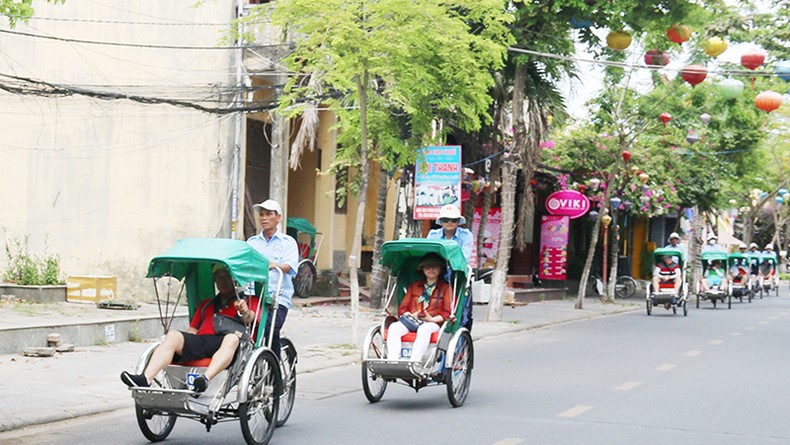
353	259
377	272
481	229
614	250
588	263
509	166
695	248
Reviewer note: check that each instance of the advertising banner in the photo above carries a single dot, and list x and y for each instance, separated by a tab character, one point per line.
568	203
553	247
437	180
490	235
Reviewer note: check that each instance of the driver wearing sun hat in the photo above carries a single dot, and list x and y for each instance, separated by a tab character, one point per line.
450	219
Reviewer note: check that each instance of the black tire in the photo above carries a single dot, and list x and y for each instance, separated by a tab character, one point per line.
304	279
458	375
258	415
698	298
649	307
761	292
685	308
155	427
374	385
714	302
749	296
288	359
674	309
625	287
729	301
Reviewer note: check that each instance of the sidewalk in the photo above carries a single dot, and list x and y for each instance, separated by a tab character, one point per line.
86	382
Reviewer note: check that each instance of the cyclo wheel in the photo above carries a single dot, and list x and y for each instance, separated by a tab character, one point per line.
288	372
685	308
374	385
624	287
258	415
459	374
304	279
155	427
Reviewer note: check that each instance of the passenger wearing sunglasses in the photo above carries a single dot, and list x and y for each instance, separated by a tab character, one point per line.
450	219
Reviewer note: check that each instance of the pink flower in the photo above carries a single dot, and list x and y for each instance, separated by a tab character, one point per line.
649	193
666	206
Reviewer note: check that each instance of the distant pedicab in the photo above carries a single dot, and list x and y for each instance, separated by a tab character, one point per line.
714	285
258	388
667	294
450	356
741	280
305	235
768	280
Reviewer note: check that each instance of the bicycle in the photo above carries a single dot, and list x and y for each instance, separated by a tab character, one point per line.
624	286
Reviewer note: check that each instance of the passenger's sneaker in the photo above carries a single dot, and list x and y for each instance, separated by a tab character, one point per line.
200	383
135	380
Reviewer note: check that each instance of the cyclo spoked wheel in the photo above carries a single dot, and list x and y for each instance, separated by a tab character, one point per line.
624	287
304	279
374	385
155	427
258	415
459	374
288	372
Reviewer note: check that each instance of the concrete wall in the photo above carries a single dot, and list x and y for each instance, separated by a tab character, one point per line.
107	184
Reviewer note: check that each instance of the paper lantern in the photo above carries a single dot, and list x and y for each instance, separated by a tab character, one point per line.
626	155
783	70
618	40
768	101
705	118
714	46
643	177
679	33
729	88
657	57
694	74
665	118
753	58
692	137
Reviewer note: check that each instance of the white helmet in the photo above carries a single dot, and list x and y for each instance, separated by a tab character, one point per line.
769	246
673	235
742	245
753	246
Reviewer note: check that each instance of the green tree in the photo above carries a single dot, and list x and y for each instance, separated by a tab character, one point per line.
421	59
16	10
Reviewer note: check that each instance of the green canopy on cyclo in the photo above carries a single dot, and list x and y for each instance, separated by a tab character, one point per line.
406	253
191	260
713	256
668	251
300	225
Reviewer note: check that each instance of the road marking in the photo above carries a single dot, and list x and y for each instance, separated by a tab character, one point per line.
782	313
716	342
773	318
734	334
764	322
509	441
575	411
750	328
627	386
666	367
693	353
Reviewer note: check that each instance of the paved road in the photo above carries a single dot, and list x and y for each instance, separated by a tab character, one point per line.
714	377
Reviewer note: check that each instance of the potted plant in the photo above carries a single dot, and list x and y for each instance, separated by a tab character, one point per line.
32	278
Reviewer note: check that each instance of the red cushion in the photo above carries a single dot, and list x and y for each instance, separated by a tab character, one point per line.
411	336
202	362
666	285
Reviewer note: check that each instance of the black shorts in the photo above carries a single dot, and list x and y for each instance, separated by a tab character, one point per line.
197	347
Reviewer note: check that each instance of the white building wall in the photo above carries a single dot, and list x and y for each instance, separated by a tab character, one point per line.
110	183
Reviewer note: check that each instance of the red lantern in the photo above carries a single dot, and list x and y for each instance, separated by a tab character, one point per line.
657	57
679	33
768	101
665	118
582	188
626	156
753	58
694	74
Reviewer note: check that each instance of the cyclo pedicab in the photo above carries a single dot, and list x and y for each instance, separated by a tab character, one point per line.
716	293
450	356
741	283
768	279
258	388
305	235
666	294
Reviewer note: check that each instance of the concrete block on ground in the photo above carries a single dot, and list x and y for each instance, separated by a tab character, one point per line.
38	352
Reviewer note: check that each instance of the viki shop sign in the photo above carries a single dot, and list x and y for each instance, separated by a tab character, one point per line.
568	203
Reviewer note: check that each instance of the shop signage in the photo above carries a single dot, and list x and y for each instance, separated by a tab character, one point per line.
568	203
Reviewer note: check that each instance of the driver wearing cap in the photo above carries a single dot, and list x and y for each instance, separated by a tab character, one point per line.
450	219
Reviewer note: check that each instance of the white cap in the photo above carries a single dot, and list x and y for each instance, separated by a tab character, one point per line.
753	245
452	212
269	204
674	235
742	245
769	246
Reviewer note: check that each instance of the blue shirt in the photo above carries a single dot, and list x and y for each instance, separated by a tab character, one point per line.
280	248
462	236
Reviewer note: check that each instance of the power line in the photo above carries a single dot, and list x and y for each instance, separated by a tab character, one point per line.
134	45
111	22
745	73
